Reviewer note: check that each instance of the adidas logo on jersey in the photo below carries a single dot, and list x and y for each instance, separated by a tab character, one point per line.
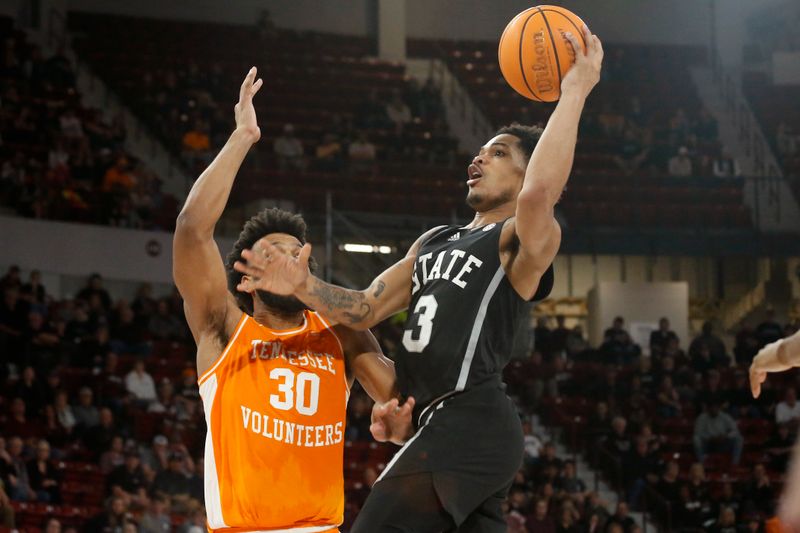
455	237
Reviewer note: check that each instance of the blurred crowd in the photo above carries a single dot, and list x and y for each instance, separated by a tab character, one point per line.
61	160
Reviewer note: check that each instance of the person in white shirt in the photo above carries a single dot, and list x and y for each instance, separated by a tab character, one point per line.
680	165
789	409
140	384
289	150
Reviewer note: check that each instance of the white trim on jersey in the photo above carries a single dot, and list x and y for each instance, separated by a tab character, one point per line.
224	354
310	529
341	348
208	392
476	329
407	444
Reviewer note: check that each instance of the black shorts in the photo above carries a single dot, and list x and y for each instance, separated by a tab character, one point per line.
455	472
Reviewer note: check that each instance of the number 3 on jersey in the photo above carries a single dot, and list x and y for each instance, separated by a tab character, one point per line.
286	387
424	312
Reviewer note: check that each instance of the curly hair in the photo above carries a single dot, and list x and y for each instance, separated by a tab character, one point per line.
528	136
272	220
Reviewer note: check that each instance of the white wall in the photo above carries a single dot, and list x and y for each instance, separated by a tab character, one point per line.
627	21
350	17
639	304
73	251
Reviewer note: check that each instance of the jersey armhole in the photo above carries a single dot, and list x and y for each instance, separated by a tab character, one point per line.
208	373
341	349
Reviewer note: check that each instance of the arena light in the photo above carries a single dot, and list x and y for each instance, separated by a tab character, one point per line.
366	248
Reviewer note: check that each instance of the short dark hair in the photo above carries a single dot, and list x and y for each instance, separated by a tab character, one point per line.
271	220
528	136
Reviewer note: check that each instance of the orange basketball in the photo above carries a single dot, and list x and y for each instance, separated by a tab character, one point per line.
534	54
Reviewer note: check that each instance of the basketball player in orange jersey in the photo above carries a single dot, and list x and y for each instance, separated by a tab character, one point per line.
274	377
465	289
777	357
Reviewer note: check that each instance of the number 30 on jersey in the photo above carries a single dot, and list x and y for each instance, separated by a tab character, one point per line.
418	337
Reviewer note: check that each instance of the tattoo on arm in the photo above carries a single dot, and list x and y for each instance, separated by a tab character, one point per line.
336	300
379	289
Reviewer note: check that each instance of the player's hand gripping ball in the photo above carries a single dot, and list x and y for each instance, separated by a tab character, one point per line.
535	55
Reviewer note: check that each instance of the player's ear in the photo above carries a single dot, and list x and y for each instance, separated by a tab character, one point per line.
247	279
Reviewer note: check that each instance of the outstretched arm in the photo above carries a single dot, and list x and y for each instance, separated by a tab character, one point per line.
278	273
775	357
197	266
535	229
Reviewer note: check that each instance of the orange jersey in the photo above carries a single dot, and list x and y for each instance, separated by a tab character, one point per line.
275	406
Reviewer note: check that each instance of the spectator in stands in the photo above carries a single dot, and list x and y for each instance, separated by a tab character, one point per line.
668	485
19	488
619	442
156	519
540	521
726	166
362	155
739	399
779	447
11	278
371	112
33	291
769	330
726	523
98	438
112	519
621	518
788	411
7	514
63	411
679	128
559	335
31	391
617	345
86	414
173	482
52	525
126	335
716	348
680	165
532	444
668	399
567	519
705	126
717	431
157	456
570	483
94	288
639	469
114	456
398	113
728	498
71	128
632	153
289	150
19	423
43	475
759	496
659	339
599	423
140	384
575	341
13	317
328	156
196	144
540	380
119	179
163	325
127	479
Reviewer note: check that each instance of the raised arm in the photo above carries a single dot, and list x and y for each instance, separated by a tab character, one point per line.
774	357
279	273
534	228
197	266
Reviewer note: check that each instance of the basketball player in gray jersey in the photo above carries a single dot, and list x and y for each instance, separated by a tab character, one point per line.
464	289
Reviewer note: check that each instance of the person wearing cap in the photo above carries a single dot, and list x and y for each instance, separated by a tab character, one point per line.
173	482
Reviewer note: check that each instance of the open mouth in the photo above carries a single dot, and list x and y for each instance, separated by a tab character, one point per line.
474	174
